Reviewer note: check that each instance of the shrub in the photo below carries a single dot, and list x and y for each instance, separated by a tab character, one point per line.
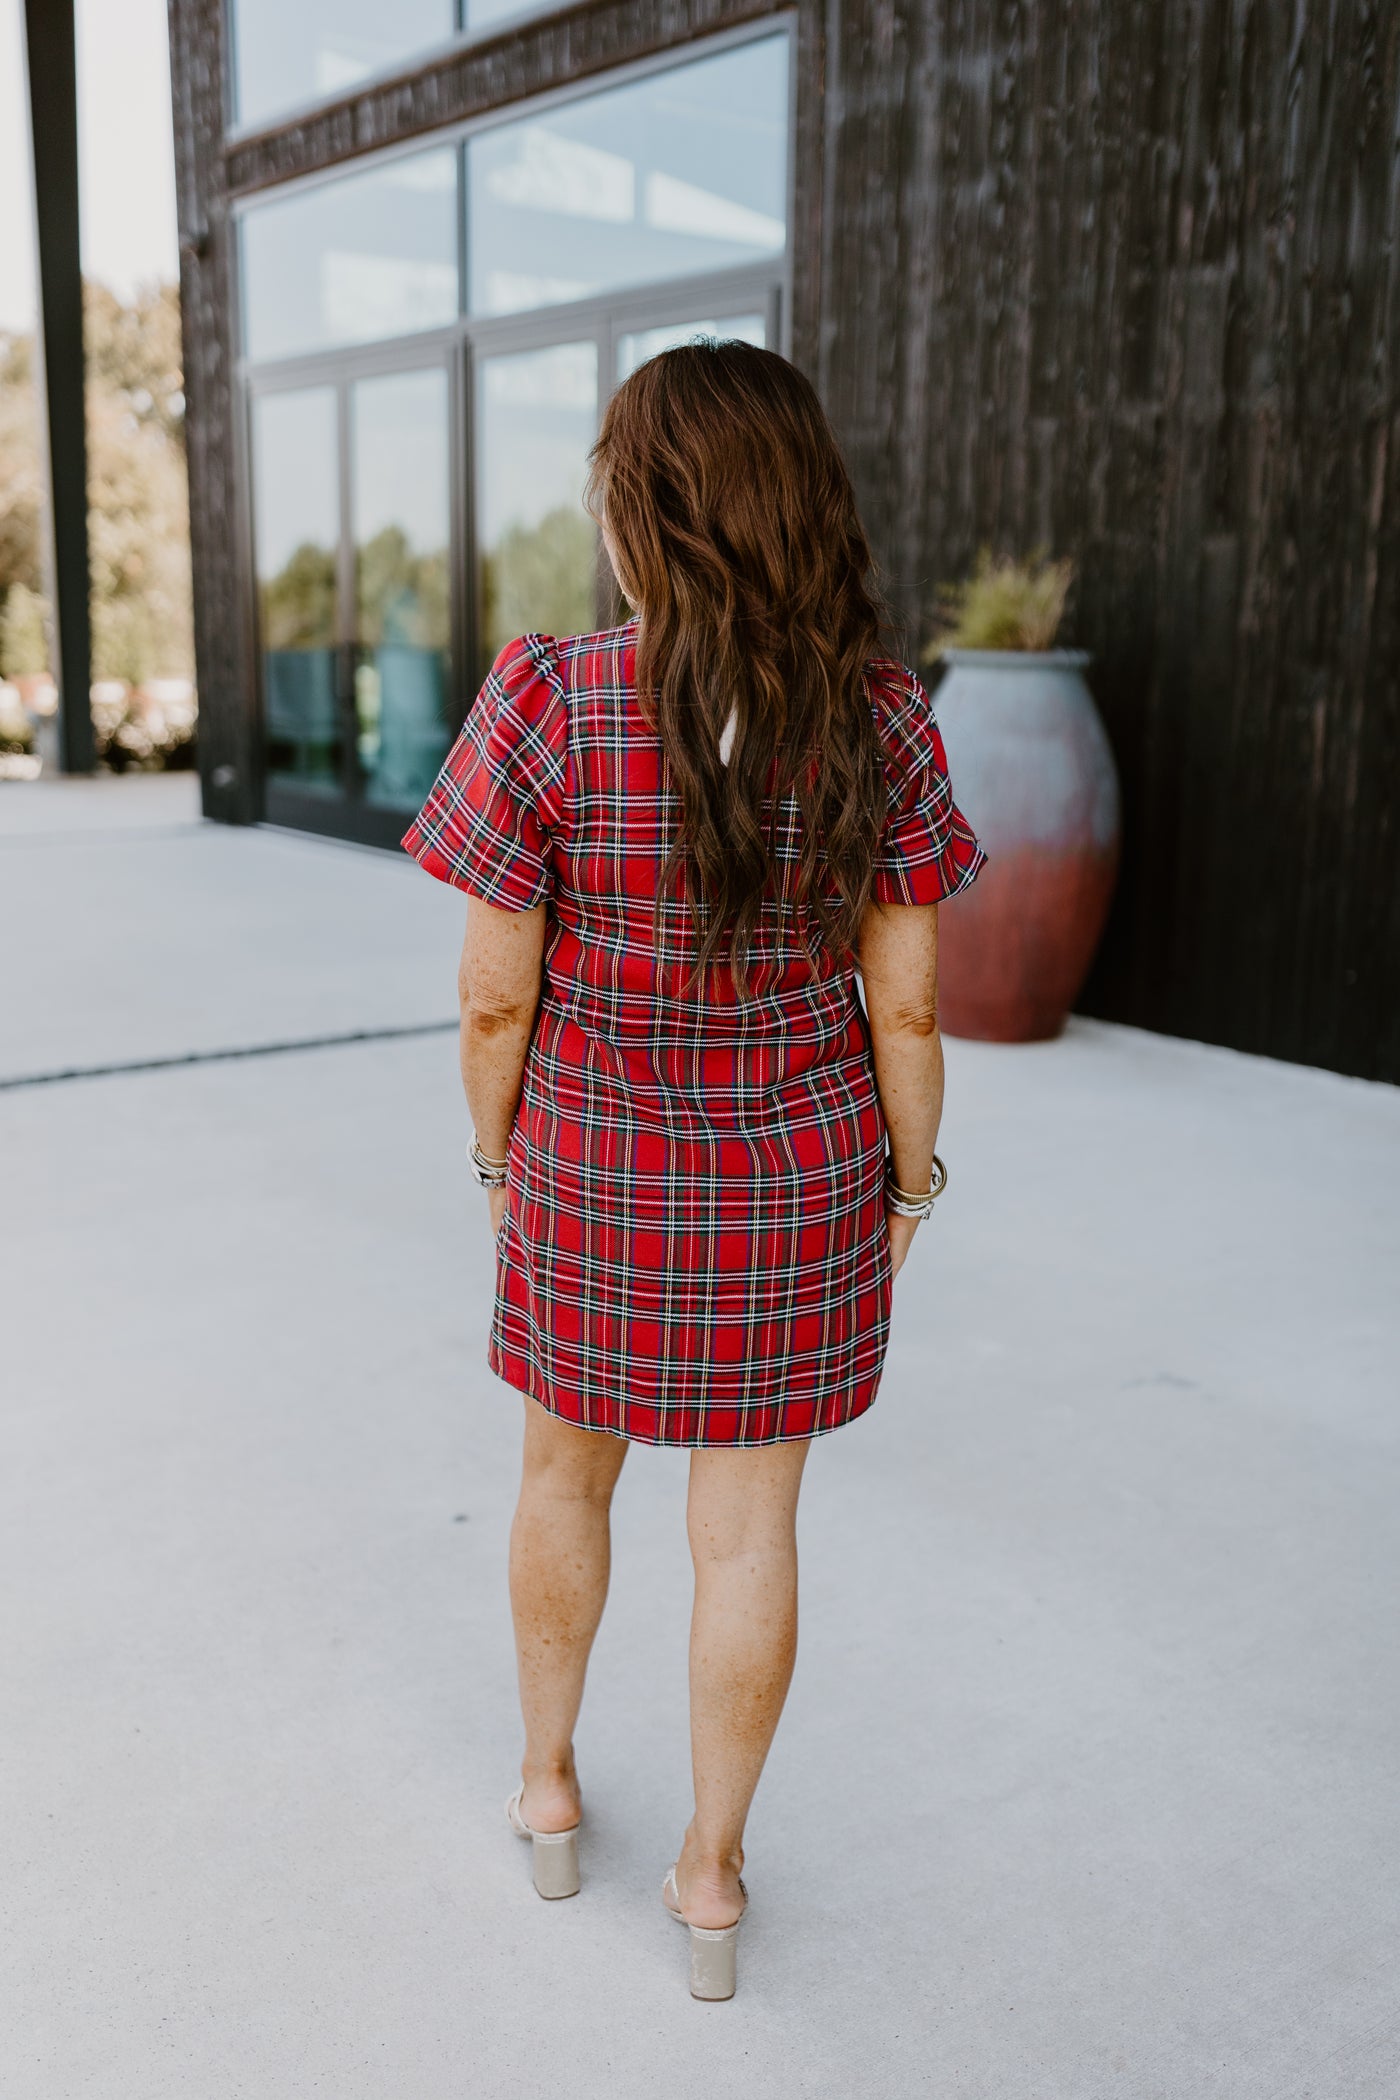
1004	604
24	647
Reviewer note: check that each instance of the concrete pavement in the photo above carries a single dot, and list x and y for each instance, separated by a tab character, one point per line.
1087	1782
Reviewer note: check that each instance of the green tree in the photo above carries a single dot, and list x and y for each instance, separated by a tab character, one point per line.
138	511
541	578
21	475
132	353
402	595
298	603
138	500
24	641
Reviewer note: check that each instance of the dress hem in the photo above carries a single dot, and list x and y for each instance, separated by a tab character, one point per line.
497	1360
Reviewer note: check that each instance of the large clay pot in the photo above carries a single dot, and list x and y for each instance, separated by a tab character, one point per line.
1033	773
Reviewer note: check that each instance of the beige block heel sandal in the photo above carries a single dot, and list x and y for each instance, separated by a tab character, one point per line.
555	1853
714	1951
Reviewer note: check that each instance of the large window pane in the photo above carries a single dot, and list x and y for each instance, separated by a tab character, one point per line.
537	414
296	507
639	344
351	261
285	54
679	173
399	470
481	15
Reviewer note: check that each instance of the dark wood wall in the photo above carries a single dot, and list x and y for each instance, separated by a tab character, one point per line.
1119	277
1122	277
229	758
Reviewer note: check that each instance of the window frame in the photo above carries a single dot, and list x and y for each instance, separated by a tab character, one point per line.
237	130
461	42
765	286
670	59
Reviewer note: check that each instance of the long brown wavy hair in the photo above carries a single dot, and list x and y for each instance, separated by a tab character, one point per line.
733	528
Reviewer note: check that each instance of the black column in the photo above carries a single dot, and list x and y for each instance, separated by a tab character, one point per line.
53	111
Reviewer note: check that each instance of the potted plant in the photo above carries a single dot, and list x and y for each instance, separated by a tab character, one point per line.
1033	772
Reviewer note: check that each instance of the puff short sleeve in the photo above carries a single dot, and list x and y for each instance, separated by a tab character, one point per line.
487	822
928	850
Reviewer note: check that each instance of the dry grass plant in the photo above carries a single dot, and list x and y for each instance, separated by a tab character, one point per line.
1004	604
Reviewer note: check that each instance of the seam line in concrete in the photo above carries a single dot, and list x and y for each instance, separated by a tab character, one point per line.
114	835
219	1057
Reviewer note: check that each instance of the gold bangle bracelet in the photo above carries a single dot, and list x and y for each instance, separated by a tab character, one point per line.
484	1159
937	1184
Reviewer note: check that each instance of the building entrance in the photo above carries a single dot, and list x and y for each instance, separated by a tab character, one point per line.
431	340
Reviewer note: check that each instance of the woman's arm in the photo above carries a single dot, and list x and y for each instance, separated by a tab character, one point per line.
498	985
897	952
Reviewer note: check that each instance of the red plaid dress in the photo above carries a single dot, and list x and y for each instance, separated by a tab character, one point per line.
694	1248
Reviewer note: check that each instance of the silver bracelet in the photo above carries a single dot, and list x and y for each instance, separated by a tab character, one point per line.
491	1173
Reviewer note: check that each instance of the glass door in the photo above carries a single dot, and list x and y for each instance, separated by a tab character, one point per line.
401	517
352	514
537	548
296	488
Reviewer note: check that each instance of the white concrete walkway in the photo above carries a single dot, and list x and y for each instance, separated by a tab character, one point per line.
1087	1785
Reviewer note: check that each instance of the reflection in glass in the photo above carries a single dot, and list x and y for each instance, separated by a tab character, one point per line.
399	471
635	348
285	55
297	528
682	172
351	261
480	15
537	413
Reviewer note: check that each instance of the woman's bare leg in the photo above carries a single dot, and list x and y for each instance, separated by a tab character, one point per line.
560	1553
742	1519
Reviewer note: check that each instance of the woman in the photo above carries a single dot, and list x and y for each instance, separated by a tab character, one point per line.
681	840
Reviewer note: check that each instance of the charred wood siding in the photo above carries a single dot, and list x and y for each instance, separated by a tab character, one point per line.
229	758
1124	279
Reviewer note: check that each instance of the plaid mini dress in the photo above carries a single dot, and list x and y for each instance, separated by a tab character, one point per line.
694	1248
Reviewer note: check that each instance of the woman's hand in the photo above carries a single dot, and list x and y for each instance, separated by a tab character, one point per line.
496	1204
901	1231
